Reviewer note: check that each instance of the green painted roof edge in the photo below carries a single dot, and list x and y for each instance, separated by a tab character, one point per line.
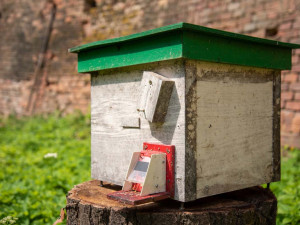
182	26
146	50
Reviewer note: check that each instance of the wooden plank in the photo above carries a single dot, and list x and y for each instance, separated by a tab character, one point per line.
135	157
190	130
184	41
206	47
134	198
148	50
115	93
276	125
155	92
234	127
155	180
169	150
235	132
131	122
185	27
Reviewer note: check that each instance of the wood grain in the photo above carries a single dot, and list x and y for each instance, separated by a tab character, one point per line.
223	120
131	122
234	128
276	125
155	180
87	203
115	94
156	91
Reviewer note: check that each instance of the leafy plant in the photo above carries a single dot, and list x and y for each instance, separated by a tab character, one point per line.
8	220
287	190
41	159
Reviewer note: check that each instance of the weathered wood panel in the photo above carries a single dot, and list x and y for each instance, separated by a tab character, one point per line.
190	130
276	125
155	180
234	127
115	95
156	92
223	120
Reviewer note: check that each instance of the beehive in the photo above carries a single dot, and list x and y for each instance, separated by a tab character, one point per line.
222	113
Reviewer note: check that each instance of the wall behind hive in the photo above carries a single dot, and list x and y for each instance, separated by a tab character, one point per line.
24	24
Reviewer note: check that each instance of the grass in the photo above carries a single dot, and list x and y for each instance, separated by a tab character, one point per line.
287	190
33	186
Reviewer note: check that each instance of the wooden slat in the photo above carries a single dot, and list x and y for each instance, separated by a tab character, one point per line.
134	198
184	41
156	91
115	95
234	127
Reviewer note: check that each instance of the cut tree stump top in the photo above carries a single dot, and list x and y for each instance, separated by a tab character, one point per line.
87	204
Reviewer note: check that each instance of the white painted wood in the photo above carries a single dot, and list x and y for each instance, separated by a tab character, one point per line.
234	128
155	92
130	122
230	135
155	180
114	95
135	157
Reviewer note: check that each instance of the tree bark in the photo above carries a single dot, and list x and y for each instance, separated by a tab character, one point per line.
87	204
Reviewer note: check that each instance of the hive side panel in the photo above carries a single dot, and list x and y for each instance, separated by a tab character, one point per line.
276	125
191	130
234	127
115	95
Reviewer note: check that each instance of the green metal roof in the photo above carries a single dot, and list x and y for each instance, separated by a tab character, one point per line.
183	40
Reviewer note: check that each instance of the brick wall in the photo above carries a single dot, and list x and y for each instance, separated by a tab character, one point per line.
25	89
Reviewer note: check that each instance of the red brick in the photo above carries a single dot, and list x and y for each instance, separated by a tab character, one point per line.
295	39
285	26
297	96
287	96
295	86
225	16
296	68
284	86
296	51
296	24
272	15
273	6
286	120
290	139
233	6
259	33
293	105
295	59
290	78
296	124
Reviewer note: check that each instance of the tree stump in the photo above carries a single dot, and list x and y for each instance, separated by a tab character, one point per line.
87	204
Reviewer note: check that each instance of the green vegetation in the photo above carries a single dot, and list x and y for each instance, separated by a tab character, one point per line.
287	190
33	183
33	187
8	220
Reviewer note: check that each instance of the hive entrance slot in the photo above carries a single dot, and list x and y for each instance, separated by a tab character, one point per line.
150	176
